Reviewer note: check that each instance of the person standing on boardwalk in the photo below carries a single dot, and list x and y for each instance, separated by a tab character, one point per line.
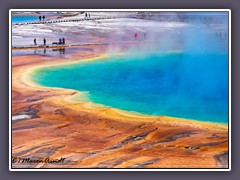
88	15
35	41
135	35
85	15
40	18
43	18
44	41
60	41
63	40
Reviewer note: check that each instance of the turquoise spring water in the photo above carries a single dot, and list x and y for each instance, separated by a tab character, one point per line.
21	19
183	85
191	84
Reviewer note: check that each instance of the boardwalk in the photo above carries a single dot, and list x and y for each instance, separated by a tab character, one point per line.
68	20
54	46
80	44
162	18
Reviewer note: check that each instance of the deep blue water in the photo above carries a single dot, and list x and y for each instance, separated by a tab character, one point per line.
153	78
184	85
20	19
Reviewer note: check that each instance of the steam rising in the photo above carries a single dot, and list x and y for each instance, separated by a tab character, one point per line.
178	69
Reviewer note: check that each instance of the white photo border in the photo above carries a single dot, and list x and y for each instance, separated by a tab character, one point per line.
119	10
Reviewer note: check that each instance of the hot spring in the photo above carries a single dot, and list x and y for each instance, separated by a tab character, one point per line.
188	80
22	19
173	84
